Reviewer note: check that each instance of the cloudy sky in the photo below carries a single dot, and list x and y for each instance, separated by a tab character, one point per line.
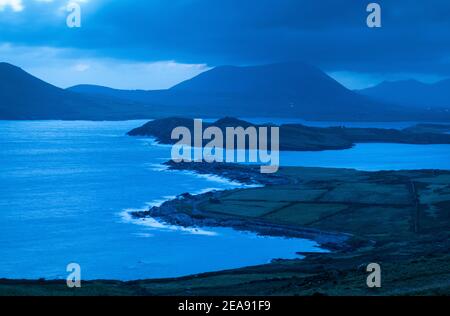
153	44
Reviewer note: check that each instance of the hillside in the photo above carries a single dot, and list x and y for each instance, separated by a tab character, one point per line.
278	90
282	90
23	96
412	93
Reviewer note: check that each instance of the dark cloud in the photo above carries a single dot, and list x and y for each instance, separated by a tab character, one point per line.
329	33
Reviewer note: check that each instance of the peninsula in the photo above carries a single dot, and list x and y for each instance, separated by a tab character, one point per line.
399	219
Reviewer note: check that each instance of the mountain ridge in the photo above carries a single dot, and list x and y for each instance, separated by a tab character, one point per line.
25	97
411	93
292	90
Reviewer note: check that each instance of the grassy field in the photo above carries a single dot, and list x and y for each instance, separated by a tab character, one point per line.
400	220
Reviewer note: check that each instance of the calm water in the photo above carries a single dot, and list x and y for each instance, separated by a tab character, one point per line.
368	157
279	121
66	188
373	157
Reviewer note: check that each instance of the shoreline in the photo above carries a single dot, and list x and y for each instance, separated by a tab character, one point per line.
166	216
396	218
248	177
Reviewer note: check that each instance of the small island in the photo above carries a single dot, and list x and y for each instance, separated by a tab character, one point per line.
298	137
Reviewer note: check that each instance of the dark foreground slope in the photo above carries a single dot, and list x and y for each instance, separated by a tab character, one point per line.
398	219
297	137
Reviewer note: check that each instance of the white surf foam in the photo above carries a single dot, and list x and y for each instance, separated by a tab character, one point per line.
152	223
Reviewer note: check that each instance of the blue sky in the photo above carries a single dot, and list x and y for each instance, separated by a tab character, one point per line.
153	44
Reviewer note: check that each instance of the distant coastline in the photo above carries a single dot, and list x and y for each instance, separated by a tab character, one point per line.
297	137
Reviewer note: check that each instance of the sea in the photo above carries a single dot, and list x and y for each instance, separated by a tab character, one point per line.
67	189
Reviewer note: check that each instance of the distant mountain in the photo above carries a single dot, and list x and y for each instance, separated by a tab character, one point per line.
278	90
134	95
412	93
284	89
23	96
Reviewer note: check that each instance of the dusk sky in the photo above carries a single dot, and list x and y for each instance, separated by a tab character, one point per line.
153	44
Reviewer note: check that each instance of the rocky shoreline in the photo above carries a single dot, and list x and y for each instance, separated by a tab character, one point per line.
184	211
399	219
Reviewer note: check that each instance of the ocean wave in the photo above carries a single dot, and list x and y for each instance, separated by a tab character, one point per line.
156	167
208	177
151	141
143	235
217	179
152	223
